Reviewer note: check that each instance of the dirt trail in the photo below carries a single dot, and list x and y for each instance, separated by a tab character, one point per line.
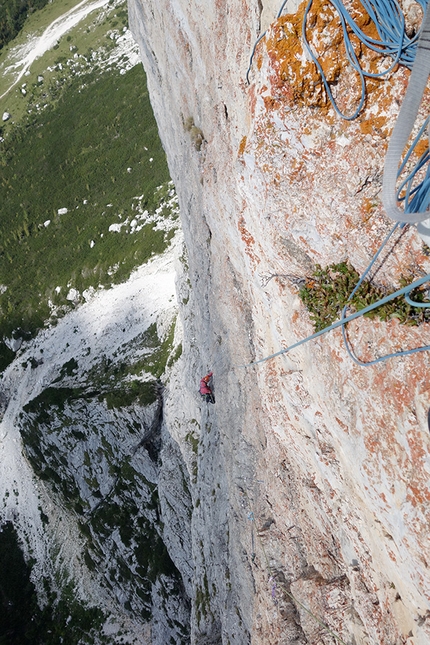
38	45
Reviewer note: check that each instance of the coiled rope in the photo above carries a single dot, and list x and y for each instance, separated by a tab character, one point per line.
393	41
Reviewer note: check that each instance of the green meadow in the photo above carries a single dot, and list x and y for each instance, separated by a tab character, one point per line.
85	193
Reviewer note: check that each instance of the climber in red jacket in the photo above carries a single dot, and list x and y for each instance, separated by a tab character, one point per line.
205	390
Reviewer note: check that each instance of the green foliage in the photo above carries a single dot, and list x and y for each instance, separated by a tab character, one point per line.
17	594
52	396
90	153
160	357
69	368
176	356
191	438
134	392
327	292
13	14
6	356
203	600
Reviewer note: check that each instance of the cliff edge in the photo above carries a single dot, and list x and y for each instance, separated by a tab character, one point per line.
310	475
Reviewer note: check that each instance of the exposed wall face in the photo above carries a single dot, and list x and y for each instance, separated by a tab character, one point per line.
311	484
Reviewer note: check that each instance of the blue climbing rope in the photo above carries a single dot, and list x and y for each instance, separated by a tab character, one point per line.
416	199
405	291
393	42
344	320
411	302
279	14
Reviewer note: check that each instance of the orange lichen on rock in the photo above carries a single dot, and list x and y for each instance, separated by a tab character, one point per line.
247	239
271	103
421	147
296	79
367	208
372	445
242	146
374	126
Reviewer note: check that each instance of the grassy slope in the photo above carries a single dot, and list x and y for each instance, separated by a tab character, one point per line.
78	151
77	154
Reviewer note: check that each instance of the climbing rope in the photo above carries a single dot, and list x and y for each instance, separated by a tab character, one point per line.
389	21
416	210
412	303
393	42
279	14
416	199
344	320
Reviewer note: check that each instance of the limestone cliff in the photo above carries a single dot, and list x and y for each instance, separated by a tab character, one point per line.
310	475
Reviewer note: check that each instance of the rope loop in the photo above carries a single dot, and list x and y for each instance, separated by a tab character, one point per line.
393	42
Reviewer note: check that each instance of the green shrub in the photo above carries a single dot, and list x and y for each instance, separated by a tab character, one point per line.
138	392
327	292
196	134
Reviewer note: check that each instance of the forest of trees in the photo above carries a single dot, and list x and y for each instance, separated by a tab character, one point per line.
12	17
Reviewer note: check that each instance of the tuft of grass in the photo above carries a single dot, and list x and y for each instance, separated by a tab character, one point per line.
161	356
176	356
327	291
196	134
193	441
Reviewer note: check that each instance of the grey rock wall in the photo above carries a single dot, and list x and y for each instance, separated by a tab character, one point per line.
309	477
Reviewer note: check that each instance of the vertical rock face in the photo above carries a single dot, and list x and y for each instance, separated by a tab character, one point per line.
310	475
